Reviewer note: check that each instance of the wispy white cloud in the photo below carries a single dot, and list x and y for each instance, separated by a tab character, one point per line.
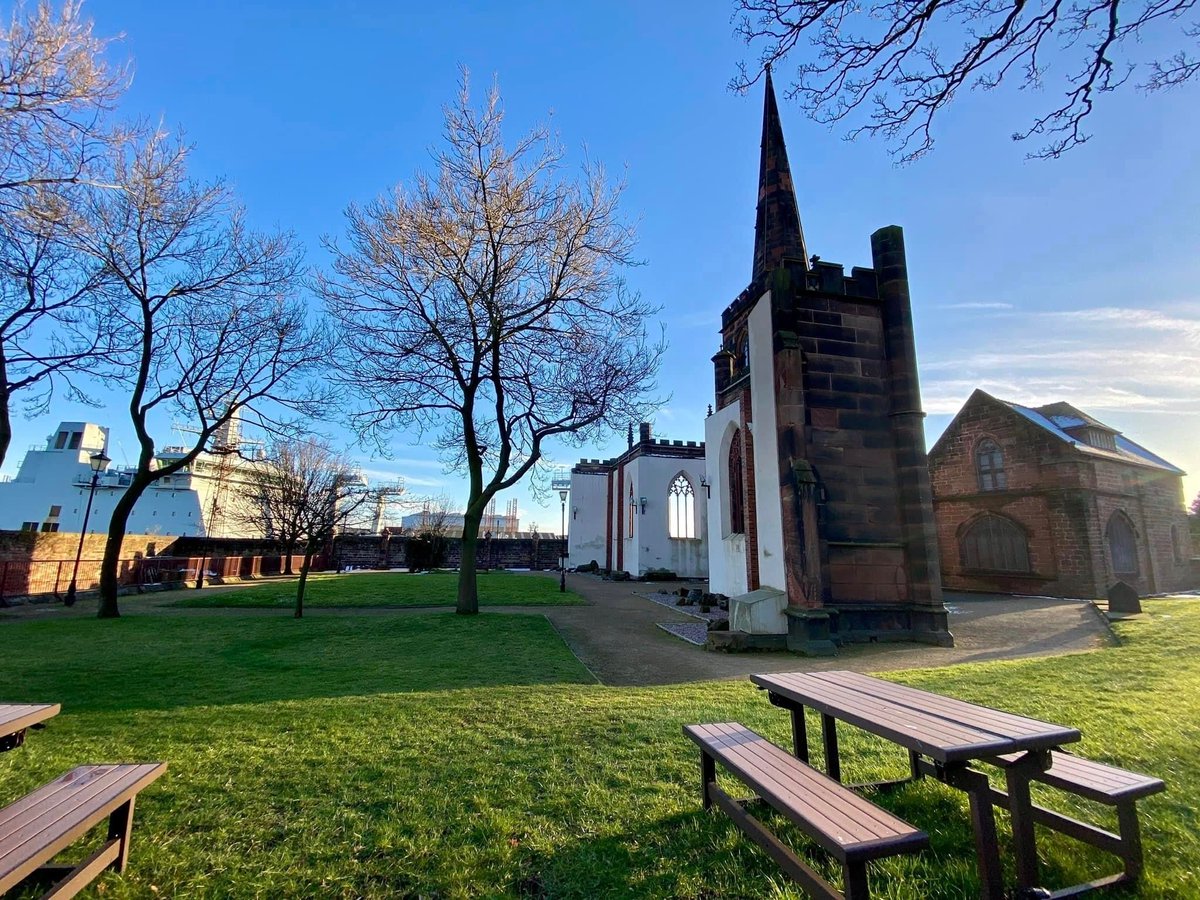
976	305
1103	358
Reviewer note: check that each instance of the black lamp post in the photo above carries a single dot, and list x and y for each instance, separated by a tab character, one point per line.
562	580
99	462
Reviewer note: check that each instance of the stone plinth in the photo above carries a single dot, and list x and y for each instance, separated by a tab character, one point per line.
759	612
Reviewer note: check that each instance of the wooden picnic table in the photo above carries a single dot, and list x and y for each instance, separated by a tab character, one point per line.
16	718
942	736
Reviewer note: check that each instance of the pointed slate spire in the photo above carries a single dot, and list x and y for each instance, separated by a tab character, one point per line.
777	231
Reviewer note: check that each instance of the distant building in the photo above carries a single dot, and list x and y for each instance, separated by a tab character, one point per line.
643	510
1049	500
452	523
50	490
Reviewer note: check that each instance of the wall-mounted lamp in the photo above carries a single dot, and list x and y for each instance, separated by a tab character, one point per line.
574	513
704	483
642	500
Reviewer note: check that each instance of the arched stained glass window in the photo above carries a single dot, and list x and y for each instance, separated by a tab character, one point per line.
681	508
995	544
989	462
737	491
1122	545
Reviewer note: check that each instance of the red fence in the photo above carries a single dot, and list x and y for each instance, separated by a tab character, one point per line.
41	577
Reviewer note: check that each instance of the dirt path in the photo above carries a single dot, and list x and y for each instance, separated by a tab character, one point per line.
616	637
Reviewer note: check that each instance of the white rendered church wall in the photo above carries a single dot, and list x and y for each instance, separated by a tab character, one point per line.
652	546
768	511
726	552
587	507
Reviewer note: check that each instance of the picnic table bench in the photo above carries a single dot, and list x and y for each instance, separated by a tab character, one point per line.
17	718
38	826
945	736
849	827
35	828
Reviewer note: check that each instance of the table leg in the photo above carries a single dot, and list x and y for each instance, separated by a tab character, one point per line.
1020	806
987	848
833	763
799	734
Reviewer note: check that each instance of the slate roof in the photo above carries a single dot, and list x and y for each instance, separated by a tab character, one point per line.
1055	417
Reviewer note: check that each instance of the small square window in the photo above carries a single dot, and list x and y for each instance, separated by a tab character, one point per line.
55	512
76	439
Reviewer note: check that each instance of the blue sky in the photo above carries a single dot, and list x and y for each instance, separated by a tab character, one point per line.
1074	280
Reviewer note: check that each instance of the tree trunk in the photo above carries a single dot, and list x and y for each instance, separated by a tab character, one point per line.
308	555
5	419
109	579
468	588
289	548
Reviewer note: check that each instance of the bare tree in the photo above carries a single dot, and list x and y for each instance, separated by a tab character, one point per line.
428	545
905	61
55	88
53	322
209	308
483	304
301	492
55	93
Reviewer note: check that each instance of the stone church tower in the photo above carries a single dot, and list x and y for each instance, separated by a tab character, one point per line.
820	512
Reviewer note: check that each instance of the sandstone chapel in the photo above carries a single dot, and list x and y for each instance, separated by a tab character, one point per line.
820	513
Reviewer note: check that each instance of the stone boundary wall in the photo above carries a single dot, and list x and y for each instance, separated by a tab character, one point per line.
373	551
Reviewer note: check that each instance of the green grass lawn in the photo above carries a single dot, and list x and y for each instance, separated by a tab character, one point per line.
432	755
393	589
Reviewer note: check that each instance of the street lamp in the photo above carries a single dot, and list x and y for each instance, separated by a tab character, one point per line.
99	462
562	580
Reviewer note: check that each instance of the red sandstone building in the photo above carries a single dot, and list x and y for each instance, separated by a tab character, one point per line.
1048	500
820	520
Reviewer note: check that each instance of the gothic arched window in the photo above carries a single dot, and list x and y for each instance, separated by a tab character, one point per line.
989	463
681	508
995	544
1122	545
737	491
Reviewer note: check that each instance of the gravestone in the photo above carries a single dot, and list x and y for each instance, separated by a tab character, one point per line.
1123	598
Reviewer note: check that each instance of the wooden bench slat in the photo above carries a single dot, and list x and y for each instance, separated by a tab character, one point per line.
836	800
60	812
76	783
1094	780
819	794
16	717
846	825
927	734
984	717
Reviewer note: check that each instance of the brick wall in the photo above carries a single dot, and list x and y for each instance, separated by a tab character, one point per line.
1063	500
390	552
36	546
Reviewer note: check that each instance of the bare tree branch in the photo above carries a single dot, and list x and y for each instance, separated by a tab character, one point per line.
298	496
208	307
483	306
55	93
899	63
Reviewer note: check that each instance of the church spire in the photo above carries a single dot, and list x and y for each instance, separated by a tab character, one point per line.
777	231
